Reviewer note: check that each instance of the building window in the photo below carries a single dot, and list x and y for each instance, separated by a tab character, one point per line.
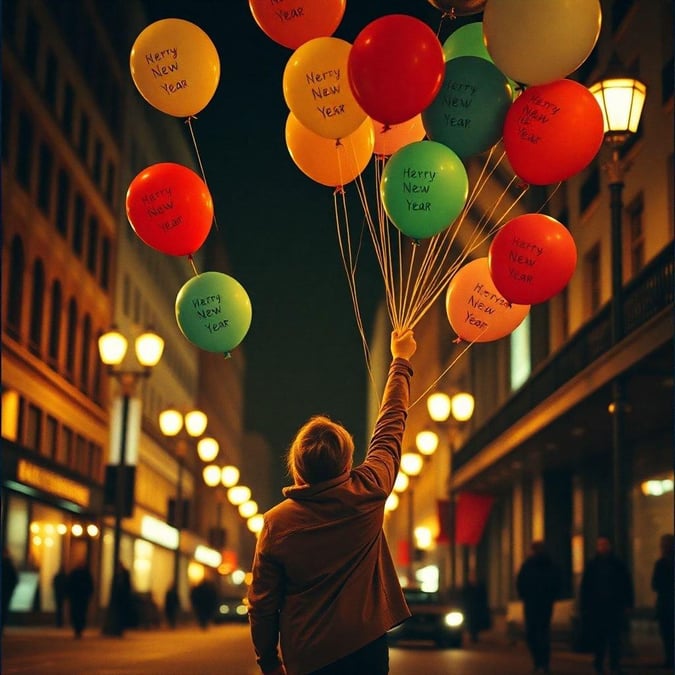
105	264
24	160
51	79
110	184
68	110
590	189
83	146
37	306
31	44
97	168
81	458
96	461
44	195
92	245
33	427
7	130
55	324
78	226
592	277
63	202
65	448
72	339
635	213
85	354
49	447
15	281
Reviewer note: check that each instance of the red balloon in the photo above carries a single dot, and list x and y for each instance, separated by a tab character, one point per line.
552	131
170	208
532	258
395	68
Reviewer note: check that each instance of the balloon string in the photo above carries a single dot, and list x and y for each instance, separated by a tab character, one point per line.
188	121
191	260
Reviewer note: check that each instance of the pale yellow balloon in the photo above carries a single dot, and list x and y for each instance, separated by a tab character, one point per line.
540	41
317	89
175	66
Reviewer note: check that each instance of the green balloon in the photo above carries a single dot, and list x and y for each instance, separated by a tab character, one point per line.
467	40
468	112
213	311
424	188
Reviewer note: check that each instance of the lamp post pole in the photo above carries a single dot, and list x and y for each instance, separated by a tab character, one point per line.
411	533
112	350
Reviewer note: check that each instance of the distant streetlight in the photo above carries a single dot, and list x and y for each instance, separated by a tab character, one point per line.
448	411
621	98
171	423
112	347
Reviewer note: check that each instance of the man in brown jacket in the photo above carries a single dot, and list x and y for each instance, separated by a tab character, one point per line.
324	584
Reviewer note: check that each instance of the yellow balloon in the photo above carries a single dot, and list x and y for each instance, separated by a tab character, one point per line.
317	89
175	66
326	160
536	42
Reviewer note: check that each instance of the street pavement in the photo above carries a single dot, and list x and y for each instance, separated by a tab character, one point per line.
226	650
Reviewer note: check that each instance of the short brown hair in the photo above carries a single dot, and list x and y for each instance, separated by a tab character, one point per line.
321	450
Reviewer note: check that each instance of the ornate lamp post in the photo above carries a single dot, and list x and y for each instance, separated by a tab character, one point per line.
112	348
621	98
451	409
171	423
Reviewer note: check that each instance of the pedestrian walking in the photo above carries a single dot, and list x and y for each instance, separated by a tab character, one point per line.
476	609
204	599
171	605
606	595
60	588
80	588
324	585
662	585
10	579
538	584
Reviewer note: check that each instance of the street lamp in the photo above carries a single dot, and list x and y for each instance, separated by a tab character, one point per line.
411	466
621	98
443	409
171	423
112	347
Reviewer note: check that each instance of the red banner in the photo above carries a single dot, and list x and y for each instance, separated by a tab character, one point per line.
471	514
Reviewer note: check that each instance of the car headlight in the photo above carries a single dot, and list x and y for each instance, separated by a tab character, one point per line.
454	619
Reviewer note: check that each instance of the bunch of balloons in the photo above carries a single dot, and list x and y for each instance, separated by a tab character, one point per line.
424	108
176	68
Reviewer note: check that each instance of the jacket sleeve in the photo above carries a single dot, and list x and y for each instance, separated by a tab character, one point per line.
384	451
264	603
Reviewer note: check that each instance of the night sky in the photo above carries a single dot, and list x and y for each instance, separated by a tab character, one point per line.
304	352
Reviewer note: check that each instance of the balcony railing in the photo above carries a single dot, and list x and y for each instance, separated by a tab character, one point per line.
645	296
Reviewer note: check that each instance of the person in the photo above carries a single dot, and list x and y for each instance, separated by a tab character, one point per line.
10	579
80	588
662	585
171	605
60	585
204	599
538	584
324	587
474	600
605	596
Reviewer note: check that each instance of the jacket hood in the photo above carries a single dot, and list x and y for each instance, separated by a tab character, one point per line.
316	491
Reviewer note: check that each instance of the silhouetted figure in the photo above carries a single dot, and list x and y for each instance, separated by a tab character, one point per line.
662	585
80	588
204	599
171	606
10	579
538	585
606	595
60	587
476	609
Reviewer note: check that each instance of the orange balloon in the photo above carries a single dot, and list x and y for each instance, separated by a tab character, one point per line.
389	139
293	26
326	161
476	310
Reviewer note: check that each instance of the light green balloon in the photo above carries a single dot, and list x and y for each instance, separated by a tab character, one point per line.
467	40
424	188
213	311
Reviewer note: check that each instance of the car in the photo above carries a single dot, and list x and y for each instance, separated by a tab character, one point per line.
436	617
231	609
